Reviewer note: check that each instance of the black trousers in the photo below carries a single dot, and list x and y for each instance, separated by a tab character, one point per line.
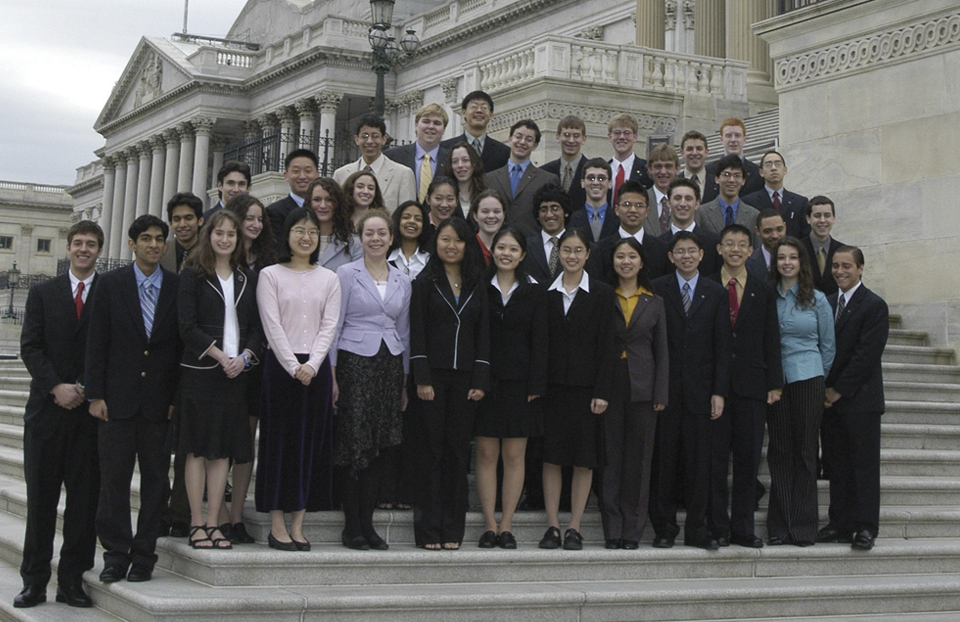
794	431
852	446
740	431
66	455
683	443
446	429
122	443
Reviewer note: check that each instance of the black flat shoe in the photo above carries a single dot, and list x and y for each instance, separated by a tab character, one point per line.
803	543
629	545
751	541
239	535
572	540
829	534
73	595
551	539
612	544
301	546
113	573
722	541
863	541
663	542
377	543
179	530
488	540
777	541
139	574
507	541
273	543
357	543
30	596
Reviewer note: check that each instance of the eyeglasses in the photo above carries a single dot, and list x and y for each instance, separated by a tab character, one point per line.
566	250
573	135
774	164
301	232
371	136
554	209
680	252
740	245
473	107
729	175
619	133
530	140
600	178
628	205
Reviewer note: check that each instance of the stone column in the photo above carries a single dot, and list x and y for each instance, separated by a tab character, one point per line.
106	212
114	229
145	150
651	16
288	130
742	44
328	104
270	156
711	24
217	144
129	200
204	128
156	177
307	109
26	249
187	142
172	165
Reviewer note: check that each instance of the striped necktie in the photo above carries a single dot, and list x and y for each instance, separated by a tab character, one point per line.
148	305
685	297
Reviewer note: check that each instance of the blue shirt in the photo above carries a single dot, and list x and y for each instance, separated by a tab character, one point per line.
693	283
807	339
433	160
723	208
155	279
602	209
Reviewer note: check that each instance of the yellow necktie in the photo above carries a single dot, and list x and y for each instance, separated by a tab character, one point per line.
426	176
821	259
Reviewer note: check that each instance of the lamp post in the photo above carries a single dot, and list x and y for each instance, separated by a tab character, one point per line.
13	279
386	51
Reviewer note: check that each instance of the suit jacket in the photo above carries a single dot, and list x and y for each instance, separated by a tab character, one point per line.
132	373
520	206
578	196
757	265
277	213
710	217
537	263
397	183
52	345
645	341
792	207
710	189
824	282
755	364
600	263
857	374
580	220
518	336
699	343
168	261
752	180
201	311
639	173
213	210
494	155
367	320
711	261
651	224
407	156
339	253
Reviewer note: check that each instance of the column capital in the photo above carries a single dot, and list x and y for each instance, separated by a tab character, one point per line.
306	107
130	155
203	126
219	141
185	130
449	87
158	143
26	229
107	163
145	149
689	10
287	115
267	121
251	129
171	137
328	102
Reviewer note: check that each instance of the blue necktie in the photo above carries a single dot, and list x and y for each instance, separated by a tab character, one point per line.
728	220
148	305
515	174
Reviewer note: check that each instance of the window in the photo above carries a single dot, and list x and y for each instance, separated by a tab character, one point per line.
6	242
43	245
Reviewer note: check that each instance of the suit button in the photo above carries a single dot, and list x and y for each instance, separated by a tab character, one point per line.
146	352
733	355
143	374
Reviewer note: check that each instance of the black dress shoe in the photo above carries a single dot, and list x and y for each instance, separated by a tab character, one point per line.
802	543
301	545
273	543
357	543
702	542
572	540
507	541
377	543
829	534
179	530
227	530
139	574
488	540
629	545
751	541
662	542
239	535
551	539
612	544
30	596
863	541
113	573
73	595
722	541
778	541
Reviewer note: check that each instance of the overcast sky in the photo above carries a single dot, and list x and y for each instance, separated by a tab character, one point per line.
59	60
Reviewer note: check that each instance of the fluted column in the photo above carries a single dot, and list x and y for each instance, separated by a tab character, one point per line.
114	228
27	247
155	206
106	212
171	166
217	144
307	110
129	199
710	38
328	104
651	16
742	44
145	150
204	128
288	131
187	142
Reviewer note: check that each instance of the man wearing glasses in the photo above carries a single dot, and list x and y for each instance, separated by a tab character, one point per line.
571	136
790	205
728	208
477	110
397	182
623	132
596	217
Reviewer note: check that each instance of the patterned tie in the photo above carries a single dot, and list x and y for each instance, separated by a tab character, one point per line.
734	302
367	169
554	256
841	305
78	299
567	177
426	176
616	187
596	225
515	174
477	146
728	218
685	297
148	305
664	215
821	260
776	200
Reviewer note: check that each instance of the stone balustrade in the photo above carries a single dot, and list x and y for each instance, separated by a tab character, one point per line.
26	187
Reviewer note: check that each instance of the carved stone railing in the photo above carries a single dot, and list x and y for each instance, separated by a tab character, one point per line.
22	187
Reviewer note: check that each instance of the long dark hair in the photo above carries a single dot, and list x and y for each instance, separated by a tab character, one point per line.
294	218
203	261
805	289
342	223
478	180
472	267
351	203
263	248
443	180
643	276
425	239
521	271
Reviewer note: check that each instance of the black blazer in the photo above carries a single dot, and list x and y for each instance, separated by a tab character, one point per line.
645	341
277	213
518	336
857	374
752	180
446	334
52	345
824	282
582	352
699	343
494	155
578	196
407	155
201	313
793	208
611	223
755	364
709	192
123	367
757	265
600	263
639	173
711	261
537	263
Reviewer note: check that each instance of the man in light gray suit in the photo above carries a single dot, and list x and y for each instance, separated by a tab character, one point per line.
728	208
520	180
397	182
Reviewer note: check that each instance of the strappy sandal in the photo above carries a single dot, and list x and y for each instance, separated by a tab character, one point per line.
218	542
194	543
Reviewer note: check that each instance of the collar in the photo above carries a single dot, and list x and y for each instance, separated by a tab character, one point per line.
638	236
766	255
674	228
700	177
375	166
471	138
847	295
602	209
817	244
659	196
523	165
792	291
296	199
496	284
574	162
741	278
546	236
558	283
770	192
693	282
155	279
626	164
74	281
419	256
735	205
433	152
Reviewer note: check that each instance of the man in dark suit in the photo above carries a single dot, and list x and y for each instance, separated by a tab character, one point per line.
299	170
820	245
698	332
233	179
132	363
694	151
733	135
662	165
477	110
596	217
623	132
790	205
631	210
185	215
519	181
426	156
770	229
543	249
854	405
756	380
571	135
728	207
684	203
59	436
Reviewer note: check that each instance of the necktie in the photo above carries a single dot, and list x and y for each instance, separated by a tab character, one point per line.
821	260
728	218
554	256
841	305
515	174
567	177
596	225
477	146
696	182
734	302
78	299
664	215
148	305
685	297
426	176
367	169
616	187
776	200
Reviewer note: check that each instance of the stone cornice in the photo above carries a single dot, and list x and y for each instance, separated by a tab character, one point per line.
328	56
590	114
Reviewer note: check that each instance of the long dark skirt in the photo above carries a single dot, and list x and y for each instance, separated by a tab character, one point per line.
295	459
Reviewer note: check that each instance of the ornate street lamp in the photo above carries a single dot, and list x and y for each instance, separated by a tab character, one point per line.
386	52
13	280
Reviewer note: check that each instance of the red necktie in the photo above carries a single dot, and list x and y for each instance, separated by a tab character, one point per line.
734	304
616	187
78	299
776	200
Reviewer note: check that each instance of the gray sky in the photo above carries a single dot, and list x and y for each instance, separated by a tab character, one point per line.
59	60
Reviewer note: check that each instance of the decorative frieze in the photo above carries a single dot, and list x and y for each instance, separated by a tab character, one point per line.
649	124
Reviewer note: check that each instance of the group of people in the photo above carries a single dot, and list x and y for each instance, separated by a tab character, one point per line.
588	323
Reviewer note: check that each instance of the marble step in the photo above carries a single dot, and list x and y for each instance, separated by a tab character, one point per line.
908	372
909	462
922	391
11	584
923	413
901	337
923	355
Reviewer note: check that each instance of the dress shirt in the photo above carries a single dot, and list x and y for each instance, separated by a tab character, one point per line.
602	209
674	228
659	196
375	166
767	255
701	177
523	166
505	297
156	279
638	236
628	304
569	296
479	140
723	208
297	199
807	339
847	295
817	245
75	282
693	283
626	164
231	325
547	244
433	160
770	192
413	266
740	278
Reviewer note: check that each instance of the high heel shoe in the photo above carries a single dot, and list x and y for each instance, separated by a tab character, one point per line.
273	543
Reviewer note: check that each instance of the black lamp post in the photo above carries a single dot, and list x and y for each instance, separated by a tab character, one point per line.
13	279
386	51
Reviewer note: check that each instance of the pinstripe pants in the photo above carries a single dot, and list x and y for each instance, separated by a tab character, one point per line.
794	425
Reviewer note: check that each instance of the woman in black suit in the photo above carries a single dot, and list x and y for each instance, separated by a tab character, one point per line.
511	411
220	328
580	366
449	358
640	390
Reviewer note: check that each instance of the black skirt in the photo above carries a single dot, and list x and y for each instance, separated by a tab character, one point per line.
213	415
573	435
504	412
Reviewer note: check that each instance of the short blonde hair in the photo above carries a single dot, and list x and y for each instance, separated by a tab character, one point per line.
663	153
432	110
624	119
